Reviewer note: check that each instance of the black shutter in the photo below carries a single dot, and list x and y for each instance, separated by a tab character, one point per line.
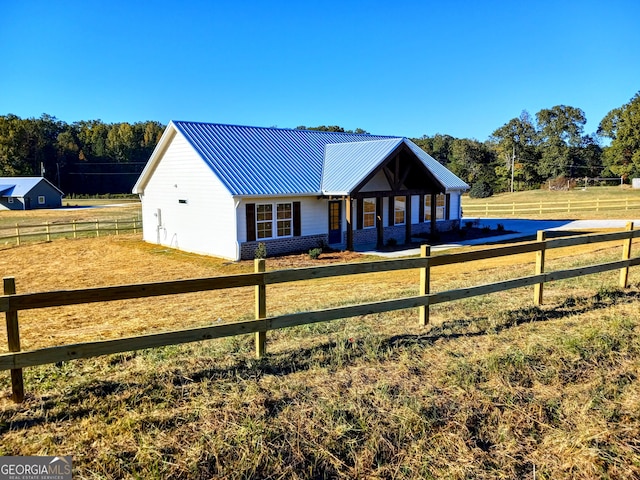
360	213
392	211
251	222
297	224
421	210
447	207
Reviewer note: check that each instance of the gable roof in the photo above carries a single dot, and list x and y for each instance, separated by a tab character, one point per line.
275	161
347	164
20	186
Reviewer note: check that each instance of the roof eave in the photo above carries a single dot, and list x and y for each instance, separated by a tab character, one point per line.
166	138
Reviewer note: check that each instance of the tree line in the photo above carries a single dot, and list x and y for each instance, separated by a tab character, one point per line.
86	157
92	157
550	147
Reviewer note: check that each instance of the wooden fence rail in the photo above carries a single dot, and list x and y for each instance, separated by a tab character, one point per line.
12	302
497	209
48	231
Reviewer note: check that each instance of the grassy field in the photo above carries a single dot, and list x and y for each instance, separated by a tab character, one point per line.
80	210
493	388
575	195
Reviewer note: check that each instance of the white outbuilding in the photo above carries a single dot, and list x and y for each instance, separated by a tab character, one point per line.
223	189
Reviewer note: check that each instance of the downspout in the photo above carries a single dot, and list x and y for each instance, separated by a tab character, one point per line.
235	215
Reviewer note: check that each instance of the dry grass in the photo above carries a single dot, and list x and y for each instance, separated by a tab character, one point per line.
78	210
494	388
618	193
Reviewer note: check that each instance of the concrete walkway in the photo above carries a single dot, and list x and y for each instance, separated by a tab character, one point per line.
523	228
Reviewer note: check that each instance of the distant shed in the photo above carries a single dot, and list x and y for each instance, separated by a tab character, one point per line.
28	193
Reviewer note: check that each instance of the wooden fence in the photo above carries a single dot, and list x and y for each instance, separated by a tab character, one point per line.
11	302
595	205
19	234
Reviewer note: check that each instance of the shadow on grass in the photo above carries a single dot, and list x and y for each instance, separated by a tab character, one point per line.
71	403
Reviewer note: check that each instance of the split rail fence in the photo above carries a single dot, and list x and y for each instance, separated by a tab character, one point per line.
12	302
48	231
598	205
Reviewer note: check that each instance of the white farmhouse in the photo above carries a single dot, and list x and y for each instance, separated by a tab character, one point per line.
222	189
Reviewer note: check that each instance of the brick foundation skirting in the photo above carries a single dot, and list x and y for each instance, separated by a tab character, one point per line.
280	246
367	236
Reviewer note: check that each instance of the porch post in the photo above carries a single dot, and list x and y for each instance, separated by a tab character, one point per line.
407	219
379	225
434	228
349	215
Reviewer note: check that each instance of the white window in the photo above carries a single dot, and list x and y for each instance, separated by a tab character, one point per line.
10	199
264	220
284	219
369	213
41	200
441	206
399	210
269	225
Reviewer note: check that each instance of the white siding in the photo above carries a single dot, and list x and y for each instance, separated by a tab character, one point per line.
313	214
454	212
415	209
197	212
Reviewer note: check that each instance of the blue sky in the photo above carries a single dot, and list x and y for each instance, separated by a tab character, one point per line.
405	68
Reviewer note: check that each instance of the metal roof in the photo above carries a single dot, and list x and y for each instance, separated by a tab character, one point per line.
446	177
347	164
20	186
276	161
4	190
264	161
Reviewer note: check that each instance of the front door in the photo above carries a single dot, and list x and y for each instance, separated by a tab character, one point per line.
335	222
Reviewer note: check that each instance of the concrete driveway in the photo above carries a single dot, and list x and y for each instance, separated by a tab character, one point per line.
522	227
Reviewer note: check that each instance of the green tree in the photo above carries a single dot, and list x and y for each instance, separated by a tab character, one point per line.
515	144
330	128
120	142
560	131
473	162
439	146
622	126
14	147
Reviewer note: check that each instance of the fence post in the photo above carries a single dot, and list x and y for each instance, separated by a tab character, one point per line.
75	230
540	254
13	339
116	226
48	231
135	225
18	234
540	207
261	308
97	228
486	209
626	255
425	280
